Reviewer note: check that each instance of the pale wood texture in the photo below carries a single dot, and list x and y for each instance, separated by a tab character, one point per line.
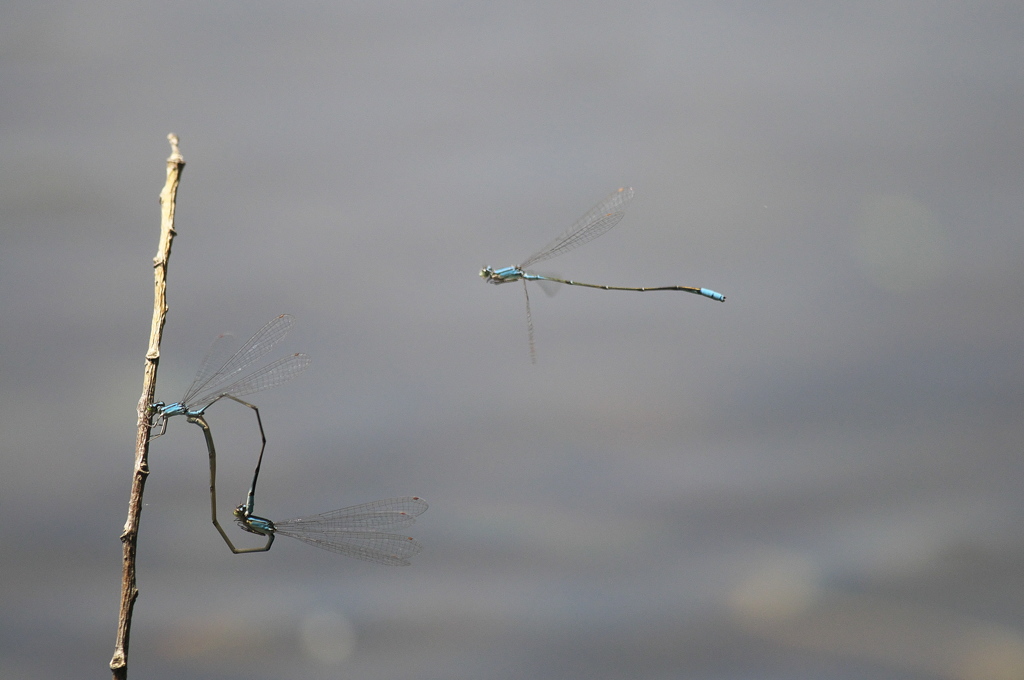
129	537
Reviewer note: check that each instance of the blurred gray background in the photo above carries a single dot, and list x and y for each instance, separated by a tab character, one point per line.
820	478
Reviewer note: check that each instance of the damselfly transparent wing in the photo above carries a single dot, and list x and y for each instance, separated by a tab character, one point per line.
211	379
390	513
269	376
596	221
222	349
355	531
367	545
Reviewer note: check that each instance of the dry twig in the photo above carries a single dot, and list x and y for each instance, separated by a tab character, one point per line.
129	537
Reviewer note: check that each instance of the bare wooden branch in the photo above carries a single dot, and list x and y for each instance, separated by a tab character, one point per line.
129	537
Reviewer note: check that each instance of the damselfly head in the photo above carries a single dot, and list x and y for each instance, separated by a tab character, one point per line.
253	524
503	275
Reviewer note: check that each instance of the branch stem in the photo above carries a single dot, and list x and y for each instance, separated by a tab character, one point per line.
129	537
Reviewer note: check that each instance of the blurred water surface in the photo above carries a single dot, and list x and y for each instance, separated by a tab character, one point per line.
819	478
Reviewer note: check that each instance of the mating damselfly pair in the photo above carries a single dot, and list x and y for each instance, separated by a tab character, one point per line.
595	222
356	531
